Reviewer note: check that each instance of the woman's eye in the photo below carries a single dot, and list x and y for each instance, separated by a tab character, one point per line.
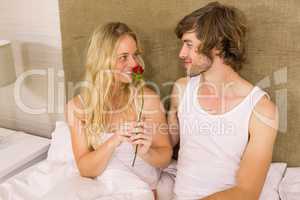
123	58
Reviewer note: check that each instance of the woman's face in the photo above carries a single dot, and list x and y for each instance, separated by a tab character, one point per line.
127	58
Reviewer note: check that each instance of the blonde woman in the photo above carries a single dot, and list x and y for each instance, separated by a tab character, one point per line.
103	117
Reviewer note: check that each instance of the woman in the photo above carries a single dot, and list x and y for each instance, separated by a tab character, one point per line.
103	117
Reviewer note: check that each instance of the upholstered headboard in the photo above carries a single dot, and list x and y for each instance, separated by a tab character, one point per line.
274	62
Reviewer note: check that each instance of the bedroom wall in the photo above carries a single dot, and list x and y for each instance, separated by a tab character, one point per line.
274	47
33	26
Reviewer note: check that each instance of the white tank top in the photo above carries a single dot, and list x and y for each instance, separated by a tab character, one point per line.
211	146
122	159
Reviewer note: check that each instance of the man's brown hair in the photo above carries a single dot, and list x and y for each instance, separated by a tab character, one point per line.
219	26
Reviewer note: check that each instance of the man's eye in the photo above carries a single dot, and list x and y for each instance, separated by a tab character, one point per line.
189	45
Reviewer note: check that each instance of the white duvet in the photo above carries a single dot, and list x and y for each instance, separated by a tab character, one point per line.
56	180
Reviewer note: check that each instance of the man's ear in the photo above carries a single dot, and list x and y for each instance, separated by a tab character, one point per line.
215	52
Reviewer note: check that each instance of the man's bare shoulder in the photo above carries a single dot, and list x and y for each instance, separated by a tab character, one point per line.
180	85
266	108
182	81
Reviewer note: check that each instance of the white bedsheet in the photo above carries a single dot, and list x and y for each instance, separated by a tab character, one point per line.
56	180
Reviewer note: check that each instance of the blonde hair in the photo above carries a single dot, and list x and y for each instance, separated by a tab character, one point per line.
100	61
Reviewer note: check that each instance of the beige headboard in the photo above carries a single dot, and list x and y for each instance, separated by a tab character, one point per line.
274	62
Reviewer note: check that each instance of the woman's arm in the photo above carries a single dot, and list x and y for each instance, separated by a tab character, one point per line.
90	163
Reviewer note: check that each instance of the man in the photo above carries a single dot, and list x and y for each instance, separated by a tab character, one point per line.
226	126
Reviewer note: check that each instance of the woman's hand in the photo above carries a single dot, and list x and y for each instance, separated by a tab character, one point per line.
122	134
142	136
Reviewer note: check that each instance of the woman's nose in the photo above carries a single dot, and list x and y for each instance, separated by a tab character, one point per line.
132	61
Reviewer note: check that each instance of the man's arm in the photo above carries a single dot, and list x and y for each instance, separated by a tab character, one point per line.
257	156
176	95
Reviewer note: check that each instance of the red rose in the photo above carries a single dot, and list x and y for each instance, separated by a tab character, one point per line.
137	76
138	69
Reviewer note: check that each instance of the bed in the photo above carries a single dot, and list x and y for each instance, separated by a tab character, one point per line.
57	177
56	180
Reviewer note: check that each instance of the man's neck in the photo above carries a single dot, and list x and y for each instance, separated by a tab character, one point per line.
220	76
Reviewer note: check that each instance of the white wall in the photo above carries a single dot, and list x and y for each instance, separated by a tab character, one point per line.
33	27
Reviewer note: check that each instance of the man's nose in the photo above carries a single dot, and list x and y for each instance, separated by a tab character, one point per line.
183	53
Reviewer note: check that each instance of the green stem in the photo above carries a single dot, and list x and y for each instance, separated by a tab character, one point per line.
139	120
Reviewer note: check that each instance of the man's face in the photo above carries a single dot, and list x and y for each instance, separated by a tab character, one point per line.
194	62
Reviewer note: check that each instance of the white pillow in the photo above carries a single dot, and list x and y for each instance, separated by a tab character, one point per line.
289	188
274	177
61	148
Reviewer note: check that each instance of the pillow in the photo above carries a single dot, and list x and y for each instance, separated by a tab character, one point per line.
289	188
274	177
61	148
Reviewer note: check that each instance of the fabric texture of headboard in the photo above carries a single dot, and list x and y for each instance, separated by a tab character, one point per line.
273	50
